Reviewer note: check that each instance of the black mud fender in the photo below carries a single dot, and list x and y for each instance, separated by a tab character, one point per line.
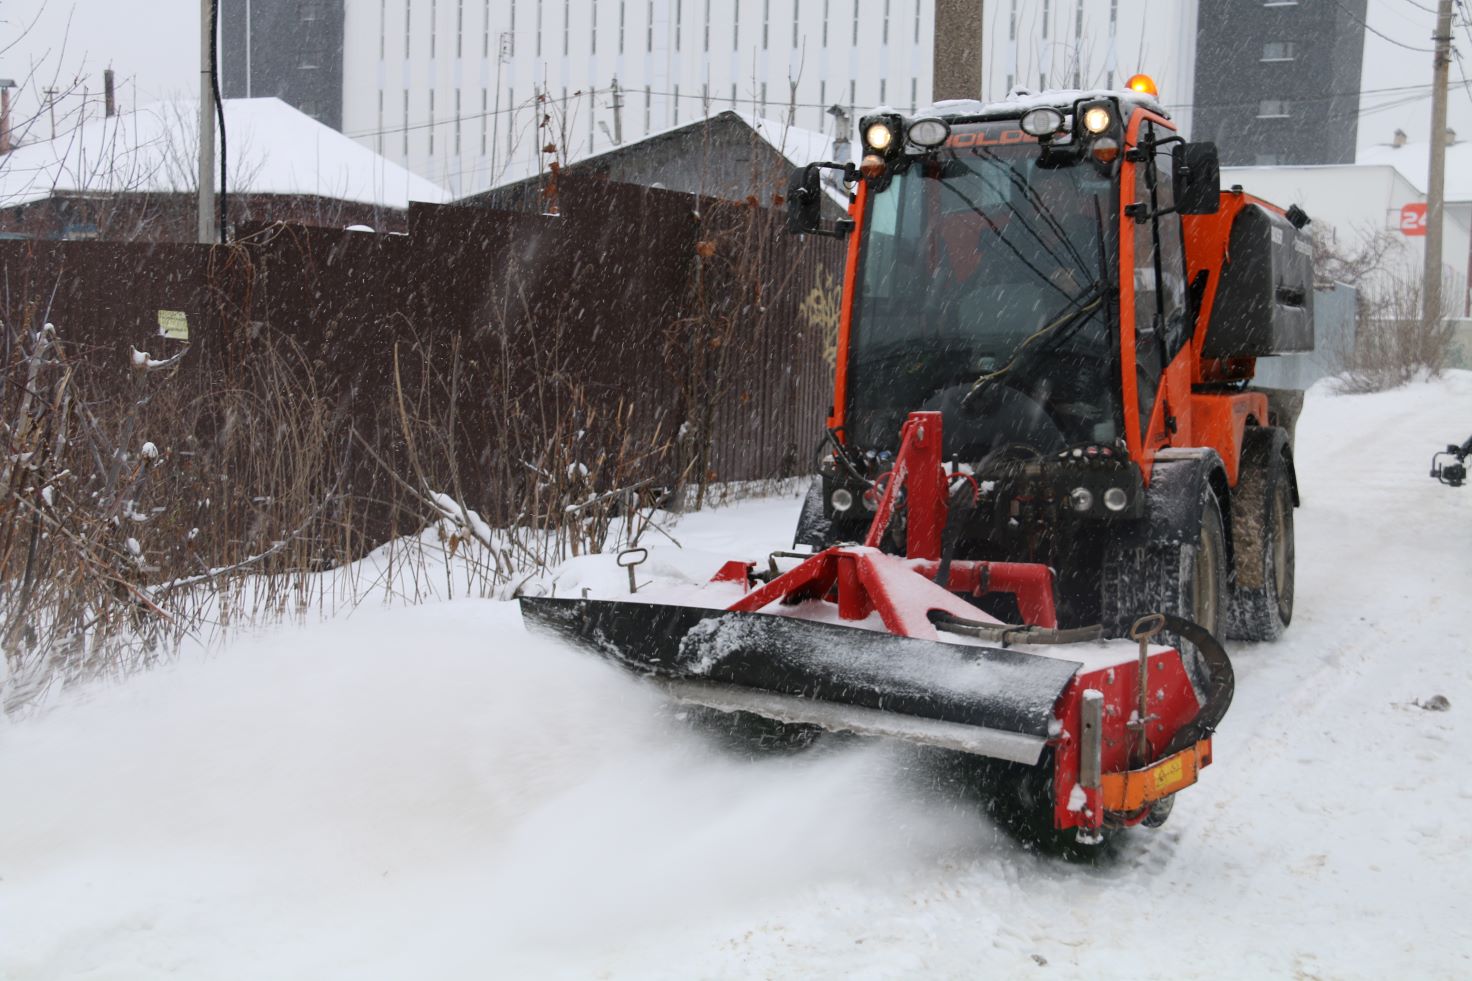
1284	407
1220	688
1268	442
1175	497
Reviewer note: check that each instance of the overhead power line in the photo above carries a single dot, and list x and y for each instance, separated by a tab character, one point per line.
1384	37
1410	94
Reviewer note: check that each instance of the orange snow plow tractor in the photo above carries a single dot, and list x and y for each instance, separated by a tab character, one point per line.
1049	485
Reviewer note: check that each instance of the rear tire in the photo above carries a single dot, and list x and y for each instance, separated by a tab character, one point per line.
1187	579
1262	536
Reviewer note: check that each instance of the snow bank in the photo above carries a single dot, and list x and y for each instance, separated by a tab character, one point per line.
421	793
429	792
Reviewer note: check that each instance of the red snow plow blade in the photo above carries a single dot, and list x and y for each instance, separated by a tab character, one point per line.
853	639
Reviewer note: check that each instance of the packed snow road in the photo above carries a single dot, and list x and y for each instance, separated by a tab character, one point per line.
431	793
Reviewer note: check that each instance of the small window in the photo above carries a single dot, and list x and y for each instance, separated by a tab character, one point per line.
1280	3
1278	51
1272	109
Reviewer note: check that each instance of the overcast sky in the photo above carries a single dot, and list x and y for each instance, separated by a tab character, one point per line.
152	44
154	47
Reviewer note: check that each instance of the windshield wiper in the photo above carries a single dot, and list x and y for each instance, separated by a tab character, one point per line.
1047	280
1068	320
1031	195
1053	332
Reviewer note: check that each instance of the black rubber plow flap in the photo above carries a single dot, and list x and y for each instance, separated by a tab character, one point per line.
981	700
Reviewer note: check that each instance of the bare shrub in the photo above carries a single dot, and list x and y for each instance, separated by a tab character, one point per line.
267	475
556	471
134	506
1396	340
737	269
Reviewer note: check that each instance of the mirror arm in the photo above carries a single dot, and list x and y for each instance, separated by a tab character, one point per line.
841	227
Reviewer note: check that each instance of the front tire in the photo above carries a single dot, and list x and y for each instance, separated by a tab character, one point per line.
1186	578
814	527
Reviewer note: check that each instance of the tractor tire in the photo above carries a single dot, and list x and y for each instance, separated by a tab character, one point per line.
1185	578
1261	599
813	527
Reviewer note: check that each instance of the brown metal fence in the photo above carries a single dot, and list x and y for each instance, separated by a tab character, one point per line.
694	330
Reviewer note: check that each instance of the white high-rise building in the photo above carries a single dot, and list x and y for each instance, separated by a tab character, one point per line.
468	93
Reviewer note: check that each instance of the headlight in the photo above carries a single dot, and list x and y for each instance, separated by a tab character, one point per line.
879	136
1081	498
1097	119
1115	499
872	165
929	133
842	499
1042	122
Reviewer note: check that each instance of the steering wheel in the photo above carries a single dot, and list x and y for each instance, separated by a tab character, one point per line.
999	414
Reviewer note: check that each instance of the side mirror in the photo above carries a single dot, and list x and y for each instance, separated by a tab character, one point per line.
804	200
1198	178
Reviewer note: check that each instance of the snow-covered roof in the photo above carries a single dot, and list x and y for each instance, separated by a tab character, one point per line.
1414	163
272	149
799	146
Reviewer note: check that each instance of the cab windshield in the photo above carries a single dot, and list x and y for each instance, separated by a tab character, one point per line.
986	293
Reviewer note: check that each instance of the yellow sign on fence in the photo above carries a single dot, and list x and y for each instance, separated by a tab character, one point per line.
174	324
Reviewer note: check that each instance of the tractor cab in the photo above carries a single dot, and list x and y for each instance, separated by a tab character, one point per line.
1020	268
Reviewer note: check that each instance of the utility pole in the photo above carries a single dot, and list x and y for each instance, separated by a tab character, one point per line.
618	115
249	43
957	52
206	131
1436	179
6	84
503	58
51	105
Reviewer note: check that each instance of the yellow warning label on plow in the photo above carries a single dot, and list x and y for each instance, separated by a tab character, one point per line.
1169	773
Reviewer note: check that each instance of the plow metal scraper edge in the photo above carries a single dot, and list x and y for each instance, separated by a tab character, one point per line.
983	700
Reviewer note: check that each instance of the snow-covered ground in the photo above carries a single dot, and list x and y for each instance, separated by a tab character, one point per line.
428	792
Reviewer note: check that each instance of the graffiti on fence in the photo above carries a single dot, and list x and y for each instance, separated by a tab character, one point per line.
820	308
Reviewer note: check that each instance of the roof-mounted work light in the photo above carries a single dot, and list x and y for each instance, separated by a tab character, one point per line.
1043	121
929	133
878	136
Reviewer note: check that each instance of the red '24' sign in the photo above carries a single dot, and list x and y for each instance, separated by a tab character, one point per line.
1413	219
